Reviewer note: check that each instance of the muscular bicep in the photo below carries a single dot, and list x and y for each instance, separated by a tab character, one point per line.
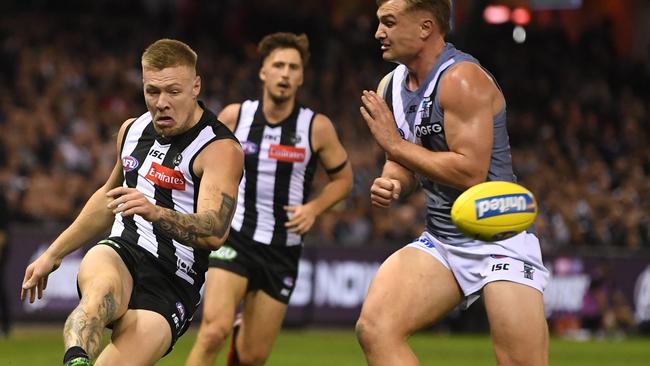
222	166
466	96
327	144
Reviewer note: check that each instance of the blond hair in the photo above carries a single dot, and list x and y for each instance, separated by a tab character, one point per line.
284	40
166	53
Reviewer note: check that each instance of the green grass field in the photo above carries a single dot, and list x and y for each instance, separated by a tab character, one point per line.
339	347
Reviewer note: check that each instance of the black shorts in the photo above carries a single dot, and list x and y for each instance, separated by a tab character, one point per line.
272	269
154	289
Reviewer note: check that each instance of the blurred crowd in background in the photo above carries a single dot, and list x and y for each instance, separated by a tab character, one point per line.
578	112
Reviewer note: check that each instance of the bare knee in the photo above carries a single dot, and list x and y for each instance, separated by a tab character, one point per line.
520	358
213	333
100	298
253	357
371	331
531	353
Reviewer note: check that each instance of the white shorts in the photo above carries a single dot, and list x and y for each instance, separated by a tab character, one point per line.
477	263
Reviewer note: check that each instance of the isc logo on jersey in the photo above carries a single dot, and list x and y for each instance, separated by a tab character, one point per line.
494	211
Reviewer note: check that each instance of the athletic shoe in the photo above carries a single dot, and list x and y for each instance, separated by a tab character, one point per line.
79	361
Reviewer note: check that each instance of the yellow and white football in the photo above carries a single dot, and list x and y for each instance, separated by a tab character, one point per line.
493	211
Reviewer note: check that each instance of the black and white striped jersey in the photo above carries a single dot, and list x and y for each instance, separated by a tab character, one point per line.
162	170
279	169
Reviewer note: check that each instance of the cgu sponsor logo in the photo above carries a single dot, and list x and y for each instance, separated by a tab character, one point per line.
166	177
503	205
287	153
129	163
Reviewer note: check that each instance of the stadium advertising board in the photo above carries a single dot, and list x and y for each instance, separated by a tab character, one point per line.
332	281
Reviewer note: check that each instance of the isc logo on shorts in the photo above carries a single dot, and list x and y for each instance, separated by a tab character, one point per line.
224	253
503	205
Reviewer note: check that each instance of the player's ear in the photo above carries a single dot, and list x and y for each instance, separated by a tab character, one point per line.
196	88
302	75
427	26
262	74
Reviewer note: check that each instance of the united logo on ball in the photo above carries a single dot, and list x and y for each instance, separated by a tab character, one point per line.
493	211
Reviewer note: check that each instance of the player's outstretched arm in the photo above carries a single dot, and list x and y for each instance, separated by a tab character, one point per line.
468	96
334	159
220	166
93	220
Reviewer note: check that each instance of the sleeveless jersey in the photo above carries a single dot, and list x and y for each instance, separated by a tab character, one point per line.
162	170
279	169
420	119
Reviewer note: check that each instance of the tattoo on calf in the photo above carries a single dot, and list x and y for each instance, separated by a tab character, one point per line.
85	325
189	228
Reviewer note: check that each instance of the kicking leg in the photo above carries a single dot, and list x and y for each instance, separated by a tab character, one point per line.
105	284
140	338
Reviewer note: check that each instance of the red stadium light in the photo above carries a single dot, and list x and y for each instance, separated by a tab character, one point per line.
496	14
520	16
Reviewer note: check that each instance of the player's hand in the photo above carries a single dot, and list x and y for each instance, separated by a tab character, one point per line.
384	190
301	218
380	120
130	201
36	274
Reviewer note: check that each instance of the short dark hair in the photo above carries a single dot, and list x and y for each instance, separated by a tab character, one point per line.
168	53
440	9
274	41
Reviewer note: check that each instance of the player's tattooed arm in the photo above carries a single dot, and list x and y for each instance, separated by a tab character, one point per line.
190	229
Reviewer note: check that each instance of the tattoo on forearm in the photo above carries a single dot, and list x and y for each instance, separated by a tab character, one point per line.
189	228
85	325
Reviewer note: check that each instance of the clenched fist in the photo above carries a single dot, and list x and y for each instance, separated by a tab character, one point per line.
384	191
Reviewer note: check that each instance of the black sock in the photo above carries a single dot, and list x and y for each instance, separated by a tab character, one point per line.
74	352
233	356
